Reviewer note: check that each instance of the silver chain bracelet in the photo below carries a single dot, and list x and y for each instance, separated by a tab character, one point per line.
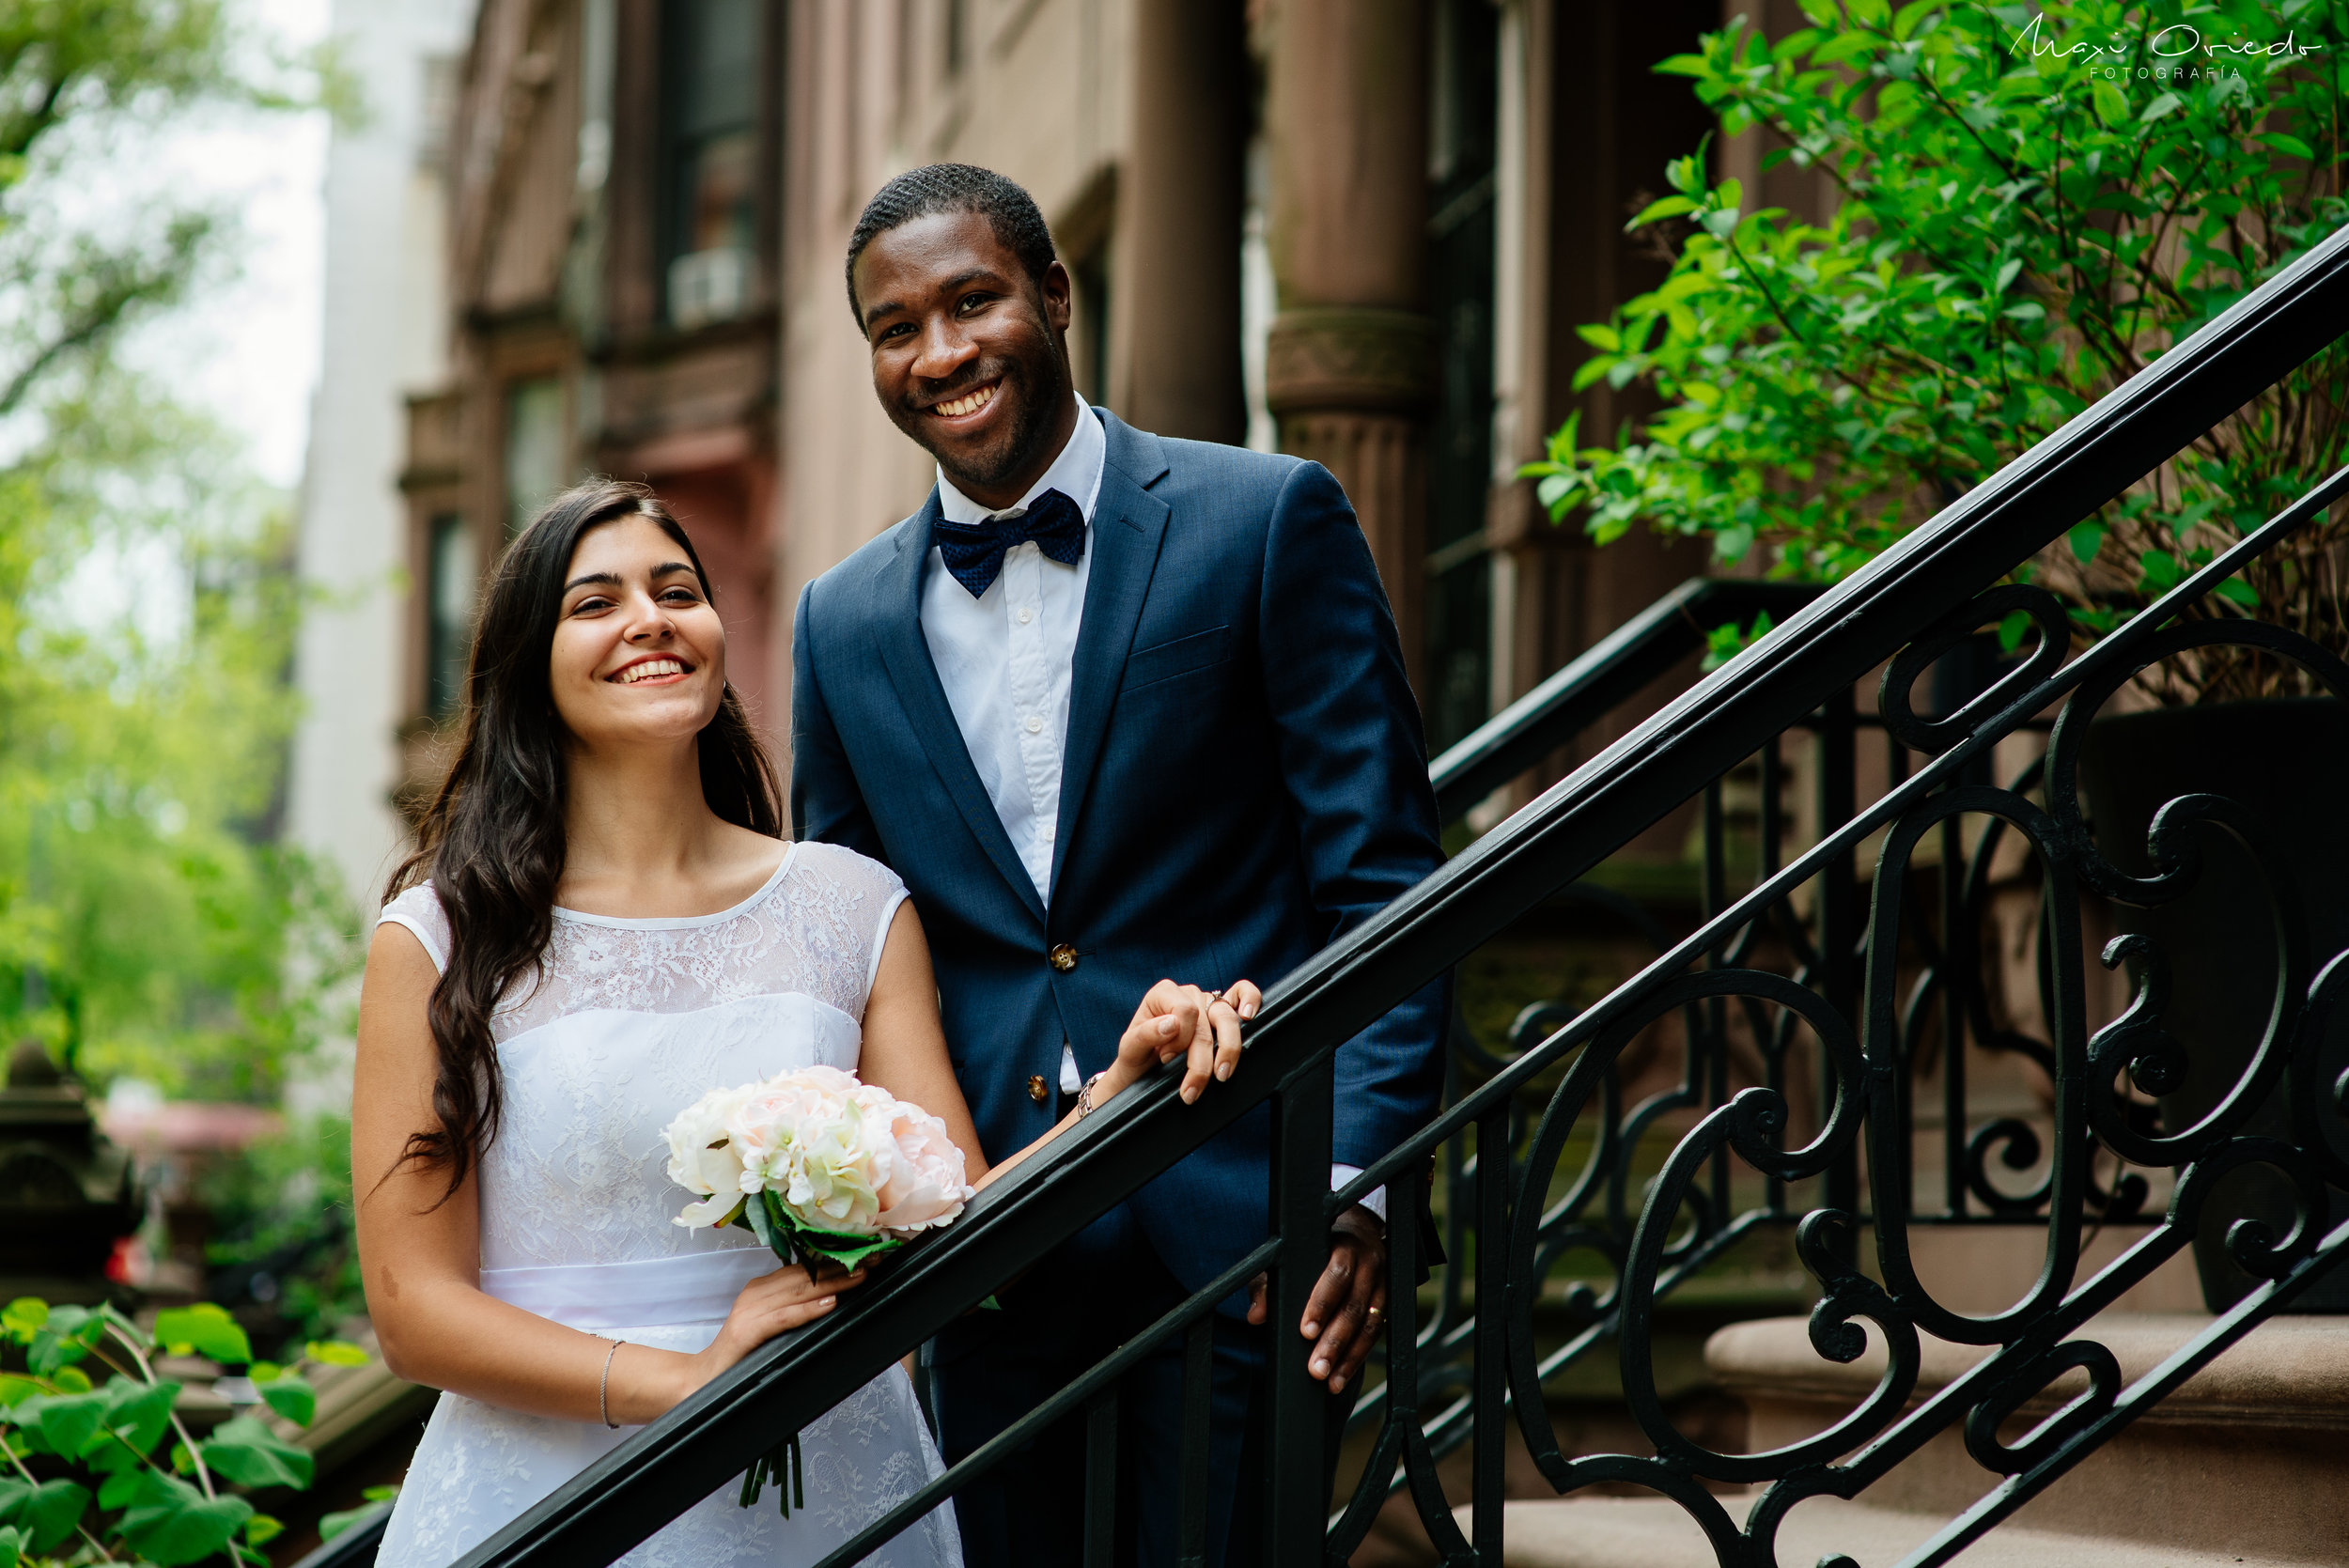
603	1391
1084	1095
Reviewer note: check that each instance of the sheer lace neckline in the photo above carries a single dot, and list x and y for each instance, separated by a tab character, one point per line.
687	922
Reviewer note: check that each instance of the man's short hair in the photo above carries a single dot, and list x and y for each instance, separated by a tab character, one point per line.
1009	210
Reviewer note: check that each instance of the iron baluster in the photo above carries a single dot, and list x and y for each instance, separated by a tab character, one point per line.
1198	1411
1298	1482
1958	959
1836	891
1492	1340
1101	1460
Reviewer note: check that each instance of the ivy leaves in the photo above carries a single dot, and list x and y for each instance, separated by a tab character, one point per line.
145	1487
43	1514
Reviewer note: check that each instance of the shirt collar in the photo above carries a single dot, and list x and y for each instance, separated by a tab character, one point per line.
1076	473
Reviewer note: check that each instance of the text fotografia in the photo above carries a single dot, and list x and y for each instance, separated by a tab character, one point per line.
2178	53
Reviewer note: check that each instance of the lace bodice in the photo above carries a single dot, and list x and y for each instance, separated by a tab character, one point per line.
814	928
628	1021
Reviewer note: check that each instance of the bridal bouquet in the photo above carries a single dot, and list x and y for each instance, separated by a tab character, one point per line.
816	1165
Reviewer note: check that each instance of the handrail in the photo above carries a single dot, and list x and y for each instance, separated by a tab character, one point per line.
354	1546
1598	679
1726	717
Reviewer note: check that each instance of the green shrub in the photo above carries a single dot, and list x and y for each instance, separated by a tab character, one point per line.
2023	224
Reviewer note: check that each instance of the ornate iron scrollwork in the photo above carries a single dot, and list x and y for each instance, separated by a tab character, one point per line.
1759	969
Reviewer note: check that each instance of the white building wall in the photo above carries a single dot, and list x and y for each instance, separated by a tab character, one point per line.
384	337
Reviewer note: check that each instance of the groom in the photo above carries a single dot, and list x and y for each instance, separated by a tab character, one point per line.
1117	708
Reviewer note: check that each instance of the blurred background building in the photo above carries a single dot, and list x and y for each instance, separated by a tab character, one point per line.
360	662
1362	230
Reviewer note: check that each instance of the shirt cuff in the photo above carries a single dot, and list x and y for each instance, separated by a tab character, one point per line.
1374	1199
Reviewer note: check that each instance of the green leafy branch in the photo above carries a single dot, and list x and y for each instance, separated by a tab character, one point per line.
2012	236
167	1505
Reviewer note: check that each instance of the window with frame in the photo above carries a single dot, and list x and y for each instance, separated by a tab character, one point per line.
1464	82
452	575
537	460
710	103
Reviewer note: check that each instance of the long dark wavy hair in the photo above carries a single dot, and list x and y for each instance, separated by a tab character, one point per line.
491	841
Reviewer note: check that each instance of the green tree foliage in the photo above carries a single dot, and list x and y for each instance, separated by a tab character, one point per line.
2033	205
147	613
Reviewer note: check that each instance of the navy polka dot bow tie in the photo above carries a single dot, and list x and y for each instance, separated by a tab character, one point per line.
975	554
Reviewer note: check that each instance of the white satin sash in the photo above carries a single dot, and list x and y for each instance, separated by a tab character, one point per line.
699	1287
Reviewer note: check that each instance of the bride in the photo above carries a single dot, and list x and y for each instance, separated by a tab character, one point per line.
613	926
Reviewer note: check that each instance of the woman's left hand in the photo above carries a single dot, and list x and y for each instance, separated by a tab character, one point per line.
1185	1020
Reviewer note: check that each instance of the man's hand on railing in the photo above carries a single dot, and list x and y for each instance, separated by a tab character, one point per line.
1349	1300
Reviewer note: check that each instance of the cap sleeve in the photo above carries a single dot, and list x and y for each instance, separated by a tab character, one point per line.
893	892
419	910
862	896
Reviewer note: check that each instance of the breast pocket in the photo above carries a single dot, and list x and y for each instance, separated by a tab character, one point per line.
1183	656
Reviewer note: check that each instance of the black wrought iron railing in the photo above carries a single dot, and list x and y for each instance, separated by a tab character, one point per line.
1600	680
1792	1018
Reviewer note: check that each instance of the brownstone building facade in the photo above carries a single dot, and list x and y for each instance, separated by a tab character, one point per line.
1362	230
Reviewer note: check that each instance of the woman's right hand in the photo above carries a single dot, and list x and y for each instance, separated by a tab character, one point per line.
768	1305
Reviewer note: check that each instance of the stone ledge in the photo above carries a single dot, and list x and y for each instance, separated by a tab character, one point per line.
1644	1533
2288	1373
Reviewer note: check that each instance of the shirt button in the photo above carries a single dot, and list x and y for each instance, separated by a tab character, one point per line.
1063	958
1026	614
1036	725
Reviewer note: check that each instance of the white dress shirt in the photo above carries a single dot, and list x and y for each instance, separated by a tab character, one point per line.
1005	659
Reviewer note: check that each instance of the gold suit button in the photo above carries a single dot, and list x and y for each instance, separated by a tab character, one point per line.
1062	957
1035	1087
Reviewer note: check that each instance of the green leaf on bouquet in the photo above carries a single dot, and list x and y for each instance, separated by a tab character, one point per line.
758	1217
790	1237
11	1547
846	1251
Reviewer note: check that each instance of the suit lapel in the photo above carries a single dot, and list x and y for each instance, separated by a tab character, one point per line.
1128	525
906	656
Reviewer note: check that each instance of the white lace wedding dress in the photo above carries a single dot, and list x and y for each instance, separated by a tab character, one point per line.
633	1021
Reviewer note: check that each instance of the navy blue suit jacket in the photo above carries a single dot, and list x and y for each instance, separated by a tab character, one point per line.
1245	778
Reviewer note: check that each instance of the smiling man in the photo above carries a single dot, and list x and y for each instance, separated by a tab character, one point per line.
1117	708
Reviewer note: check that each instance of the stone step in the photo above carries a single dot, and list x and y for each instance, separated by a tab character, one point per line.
2250	1455
2248	1463
1652	1532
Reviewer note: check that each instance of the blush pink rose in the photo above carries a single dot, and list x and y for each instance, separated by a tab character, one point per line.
917	1169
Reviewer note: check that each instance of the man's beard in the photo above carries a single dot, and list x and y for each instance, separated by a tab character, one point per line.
1029	426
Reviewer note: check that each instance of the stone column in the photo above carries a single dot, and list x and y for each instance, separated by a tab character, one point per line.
1349	370
1174	360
